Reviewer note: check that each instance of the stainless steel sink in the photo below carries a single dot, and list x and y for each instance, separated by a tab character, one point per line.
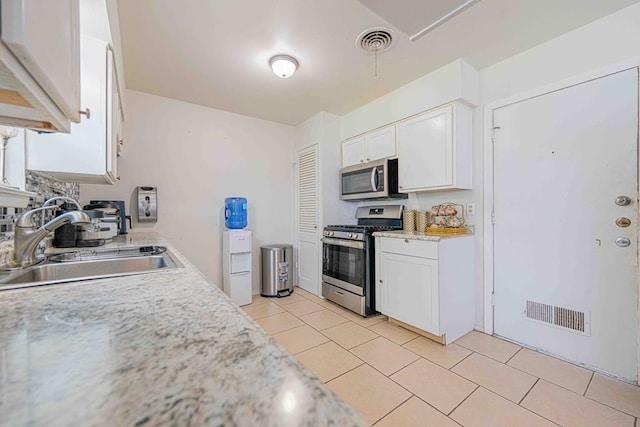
90	254
82	269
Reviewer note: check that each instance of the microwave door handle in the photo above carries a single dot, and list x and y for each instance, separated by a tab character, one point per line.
374	178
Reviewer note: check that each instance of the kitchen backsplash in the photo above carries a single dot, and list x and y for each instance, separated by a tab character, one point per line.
45	188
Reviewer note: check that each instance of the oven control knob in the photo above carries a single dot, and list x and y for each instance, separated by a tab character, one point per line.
330	233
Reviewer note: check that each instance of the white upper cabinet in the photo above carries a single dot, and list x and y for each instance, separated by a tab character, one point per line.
88	153
353	151
380	144
434	150
376	145
40	64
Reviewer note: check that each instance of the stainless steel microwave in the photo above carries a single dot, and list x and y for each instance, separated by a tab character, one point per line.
373	180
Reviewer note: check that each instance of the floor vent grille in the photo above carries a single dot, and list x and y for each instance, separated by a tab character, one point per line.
560	317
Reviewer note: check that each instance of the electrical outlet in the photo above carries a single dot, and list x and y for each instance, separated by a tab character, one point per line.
471	208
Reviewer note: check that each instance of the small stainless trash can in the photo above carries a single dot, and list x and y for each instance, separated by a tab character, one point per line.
277	270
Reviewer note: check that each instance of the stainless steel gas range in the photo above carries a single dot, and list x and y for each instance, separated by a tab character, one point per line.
348	257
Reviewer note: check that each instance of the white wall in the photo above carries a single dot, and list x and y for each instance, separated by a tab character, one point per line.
197	156
455	81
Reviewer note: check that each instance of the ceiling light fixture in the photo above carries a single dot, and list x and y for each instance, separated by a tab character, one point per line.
283	65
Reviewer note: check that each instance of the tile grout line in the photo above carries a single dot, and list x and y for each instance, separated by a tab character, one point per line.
396	407
528	391
522	407
514	355
547	380
462	360
430	405
589	385
344	373
416	361
463	400
349	349
307	349
610	407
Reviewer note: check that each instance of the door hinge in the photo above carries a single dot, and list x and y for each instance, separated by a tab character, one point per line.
493	218
493	133
493	298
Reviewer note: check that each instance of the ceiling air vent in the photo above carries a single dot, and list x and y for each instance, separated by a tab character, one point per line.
376	40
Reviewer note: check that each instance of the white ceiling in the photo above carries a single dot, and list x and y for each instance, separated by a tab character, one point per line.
216	52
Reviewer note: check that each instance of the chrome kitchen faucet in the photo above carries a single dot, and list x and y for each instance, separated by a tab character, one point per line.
27	236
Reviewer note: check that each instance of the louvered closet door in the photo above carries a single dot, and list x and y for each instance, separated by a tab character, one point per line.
307	219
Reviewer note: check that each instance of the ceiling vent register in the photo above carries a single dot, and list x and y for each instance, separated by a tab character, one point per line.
376	40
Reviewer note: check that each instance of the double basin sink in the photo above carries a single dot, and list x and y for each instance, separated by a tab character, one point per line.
91	264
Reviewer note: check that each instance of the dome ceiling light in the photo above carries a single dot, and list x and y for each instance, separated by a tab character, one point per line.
283	65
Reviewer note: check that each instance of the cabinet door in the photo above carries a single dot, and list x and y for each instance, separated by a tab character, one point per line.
425	151
81	155
409	290
43	35
353	151
113	117
380	144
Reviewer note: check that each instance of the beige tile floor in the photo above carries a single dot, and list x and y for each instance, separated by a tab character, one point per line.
393	377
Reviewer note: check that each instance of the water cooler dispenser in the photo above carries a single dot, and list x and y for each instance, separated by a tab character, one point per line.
236	265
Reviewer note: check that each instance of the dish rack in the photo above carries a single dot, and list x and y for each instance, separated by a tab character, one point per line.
447	219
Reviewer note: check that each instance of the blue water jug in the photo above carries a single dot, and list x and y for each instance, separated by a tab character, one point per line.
235	213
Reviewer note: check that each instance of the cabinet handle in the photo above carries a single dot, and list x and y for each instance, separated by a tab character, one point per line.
400	186
86	112
368	159
380	280
361	161
406	240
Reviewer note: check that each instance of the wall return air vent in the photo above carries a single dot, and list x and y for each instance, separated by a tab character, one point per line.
559	317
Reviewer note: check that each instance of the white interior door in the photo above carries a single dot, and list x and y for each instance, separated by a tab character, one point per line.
562	282
307	219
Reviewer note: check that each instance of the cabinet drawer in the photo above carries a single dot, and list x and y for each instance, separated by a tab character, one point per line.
418	248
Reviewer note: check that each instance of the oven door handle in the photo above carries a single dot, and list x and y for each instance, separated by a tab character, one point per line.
374	178
345	243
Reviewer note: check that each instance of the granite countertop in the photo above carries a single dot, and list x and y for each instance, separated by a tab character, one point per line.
416	235
163	348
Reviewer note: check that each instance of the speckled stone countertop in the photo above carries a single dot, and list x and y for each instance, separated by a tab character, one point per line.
415	235
163	348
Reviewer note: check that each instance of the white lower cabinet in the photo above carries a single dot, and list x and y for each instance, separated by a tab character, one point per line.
427	285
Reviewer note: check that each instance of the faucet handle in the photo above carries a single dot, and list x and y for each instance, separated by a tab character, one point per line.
26	219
